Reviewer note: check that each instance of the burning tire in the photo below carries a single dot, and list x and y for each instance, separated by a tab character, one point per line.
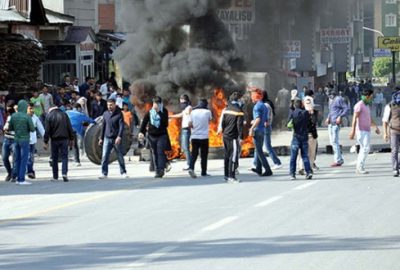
94	150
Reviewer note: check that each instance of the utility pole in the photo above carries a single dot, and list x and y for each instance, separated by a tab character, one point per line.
394	67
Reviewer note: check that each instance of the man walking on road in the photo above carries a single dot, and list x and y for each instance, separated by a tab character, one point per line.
22	124
362	121
338	108
199	122
391	129
33	139
111	138
257	131
58	128
232	129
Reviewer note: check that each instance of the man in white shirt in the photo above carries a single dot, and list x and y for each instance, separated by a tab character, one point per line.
199	122
186	108
47	99
33	140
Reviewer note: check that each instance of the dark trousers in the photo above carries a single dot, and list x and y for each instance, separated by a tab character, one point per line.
59	146
202	145
158	145
76	149
232	152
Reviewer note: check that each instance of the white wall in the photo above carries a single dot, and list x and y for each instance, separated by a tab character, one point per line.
56	5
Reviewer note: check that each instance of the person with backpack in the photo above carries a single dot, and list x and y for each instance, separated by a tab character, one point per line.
300	120
361	126
391	129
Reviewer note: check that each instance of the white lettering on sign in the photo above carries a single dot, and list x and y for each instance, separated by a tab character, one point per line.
336	35
239	11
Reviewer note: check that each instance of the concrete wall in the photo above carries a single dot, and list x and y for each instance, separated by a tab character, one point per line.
84	11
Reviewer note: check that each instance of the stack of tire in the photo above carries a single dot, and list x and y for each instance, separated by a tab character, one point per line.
94	150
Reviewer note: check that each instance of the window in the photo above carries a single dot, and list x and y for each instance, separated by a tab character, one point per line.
391	1
390	20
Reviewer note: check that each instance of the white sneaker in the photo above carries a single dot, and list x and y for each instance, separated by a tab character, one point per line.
124	175
103	176
276	167
192	174
232	180
78	164
361	171
25	183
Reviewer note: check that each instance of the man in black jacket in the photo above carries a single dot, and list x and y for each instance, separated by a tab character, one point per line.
232	129
111	137
58	128
155	122
98	106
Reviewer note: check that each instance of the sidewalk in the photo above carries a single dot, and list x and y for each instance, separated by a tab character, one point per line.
281	140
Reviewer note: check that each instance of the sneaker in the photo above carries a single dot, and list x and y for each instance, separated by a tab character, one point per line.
54	179
361	171
309	176
31	175
24	183
267	173
14	179
302	172
168	167
276	167
395	173
293	177
336	165
159	174
226	178
205	175
315	167
103	176
232	180
77	164
186	169
8	178
192	173
255	171
124	175
65	178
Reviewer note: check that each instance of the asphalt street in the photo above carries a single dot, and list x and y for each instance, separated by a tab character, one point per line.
338	220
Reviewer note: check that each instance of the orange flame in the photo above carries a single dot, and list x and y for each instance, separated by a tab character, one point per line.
218	103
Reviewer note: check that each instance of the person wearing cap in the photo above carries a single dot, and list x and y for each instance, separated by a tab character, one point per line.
232	130
391	129
111	138
300	119
361	126
257	131
155	123
199	123
185	106
338	109
310	107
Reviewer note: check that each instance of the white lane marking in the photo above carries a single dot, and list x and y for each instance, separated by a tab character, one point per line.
153	256
306	185
219	224
268	202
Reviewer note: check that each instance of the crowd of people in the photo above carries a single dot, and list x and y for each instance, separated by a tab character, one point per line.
60	118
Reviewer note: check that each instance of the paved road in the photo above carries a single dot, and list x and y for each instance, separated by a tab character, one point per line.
337	221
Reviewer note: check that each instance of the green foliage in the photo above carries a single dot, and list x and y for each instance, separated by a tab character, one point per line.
383	66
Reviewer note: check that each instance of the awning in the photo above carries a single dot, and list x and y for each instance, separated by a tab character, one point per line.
58	18
12	15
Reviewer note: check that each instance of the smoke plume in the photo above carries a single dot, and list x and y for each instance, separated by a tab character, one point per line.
159	56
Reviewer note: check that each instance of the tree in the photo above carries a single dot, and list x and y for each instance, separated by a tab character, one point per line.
383	67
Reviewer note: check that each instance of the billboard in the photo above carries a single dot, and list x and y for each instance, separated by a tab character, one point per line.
292	49
335	35
390	43
238	16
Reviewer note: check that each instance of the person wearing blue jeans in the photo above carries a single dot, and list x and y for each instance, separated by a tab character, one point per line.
260	121
271	152
186	108
33	140
21	123
111	138
300	119
7	151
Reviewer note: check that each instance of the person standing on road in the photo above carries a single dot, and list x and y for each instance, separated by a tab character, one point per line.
186	108
257	131
111	138
199	123
155	123
58	128
8	147
78	121
320	99
378	101
361	126
391	129
47	100
33	140
232	130
300	120
21	123
338	109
